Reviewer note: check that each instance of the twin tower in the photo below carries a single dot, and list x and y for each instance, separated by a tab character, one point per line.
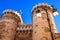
42	27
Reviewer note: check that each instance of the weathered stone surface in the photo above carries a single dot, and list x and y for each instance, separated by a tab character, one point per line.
24	32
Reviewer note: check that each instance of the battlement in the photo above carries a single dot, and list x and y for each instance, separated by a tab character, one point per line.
13	14
42	27
24	32
25	27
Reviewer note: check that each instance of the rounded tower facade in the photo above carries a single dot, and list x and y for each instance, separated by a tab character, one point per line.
43	25
8	24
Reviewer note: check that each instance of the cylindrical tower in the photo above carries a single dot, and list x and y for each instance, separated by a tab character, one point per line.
8	24
43	24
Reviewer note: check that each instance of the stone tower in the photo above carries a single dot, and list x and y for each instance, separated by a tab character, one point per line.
8	24
43	24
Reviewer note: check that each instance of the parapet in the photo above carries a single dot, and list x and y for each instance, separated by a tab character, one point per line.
16	15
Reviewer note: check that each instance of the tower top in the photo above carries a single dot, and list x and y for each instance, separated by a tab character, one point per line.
14	13
42	5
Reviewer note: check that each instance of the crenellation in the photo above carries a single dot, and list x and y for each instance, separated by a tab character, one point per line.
42	27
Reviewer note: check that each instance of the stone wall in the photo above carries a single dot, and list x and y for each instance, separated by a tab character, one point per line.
24	32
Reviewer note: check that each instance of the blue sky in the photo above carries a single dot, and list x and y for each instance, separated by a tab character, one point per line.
26	7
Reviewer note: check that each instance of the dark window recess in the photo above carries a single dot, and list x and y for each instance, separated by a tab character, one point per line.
7	12
35	32
38	11
11	12
17	31
30	30
23	31
26	30
20	30
4	12
36	25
